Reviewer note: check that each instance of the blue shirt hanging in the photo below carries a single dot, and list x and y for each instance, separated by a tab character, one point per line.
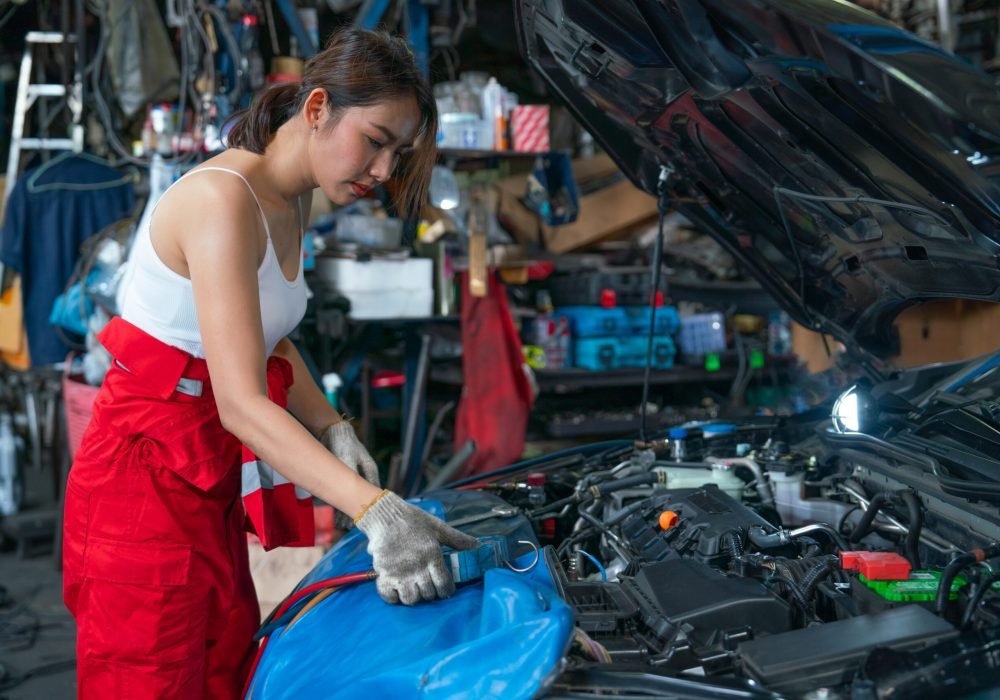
52	210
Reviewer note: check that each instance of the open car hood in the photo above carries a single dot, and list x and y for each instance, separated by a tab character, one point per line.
850	166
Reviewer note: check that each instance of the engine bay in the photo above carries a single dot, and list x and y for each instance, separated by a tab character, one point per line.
769	556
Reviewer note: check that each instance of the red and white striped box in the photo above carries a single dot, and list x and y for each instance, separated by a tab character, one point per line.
529	128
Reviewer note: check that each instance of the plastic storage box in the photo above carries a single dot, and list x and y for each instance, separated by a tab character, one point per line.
618	353
380	289
664	352
703	333
596	321
666	321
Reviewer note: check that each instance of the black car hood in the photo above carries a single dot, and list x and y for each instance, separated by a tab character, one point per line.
762	111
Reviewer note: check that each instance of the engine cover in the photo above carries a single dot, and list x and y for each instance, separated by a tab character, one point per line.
707	516
705	601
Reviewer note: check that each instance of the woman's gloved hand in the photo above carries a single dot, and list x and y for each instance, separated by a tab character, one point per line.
405	544
341	440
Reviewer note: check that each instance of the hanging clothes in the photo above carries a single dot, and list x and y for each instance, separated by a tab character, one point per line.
13	342
496	398
52	210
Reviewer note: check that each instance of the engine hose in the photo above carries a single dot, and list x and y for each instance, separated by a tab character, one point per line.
957	564
794	569
865	524
948	576
976	598
914	526
817	574
628	482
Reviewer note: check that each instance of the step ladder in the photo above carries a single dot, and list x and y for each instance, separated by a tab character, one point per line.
28	93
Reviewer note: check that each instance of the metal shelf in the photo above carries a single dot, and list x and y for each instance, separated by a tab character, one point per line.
565	381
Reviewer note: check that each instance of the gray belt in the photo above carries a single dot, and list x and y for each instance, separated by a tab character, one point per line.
191	387
188	387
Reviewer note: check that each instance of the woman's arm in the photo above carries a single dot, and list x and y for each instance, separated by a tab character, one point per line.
222	252
305	399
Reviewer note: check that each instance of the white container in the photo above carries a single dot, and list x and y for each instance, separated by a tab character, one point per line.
685	478
492	111
380	289
796	510
464	130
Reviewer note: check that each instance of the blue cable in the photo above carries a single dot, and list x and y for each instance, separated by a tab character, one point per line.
604	573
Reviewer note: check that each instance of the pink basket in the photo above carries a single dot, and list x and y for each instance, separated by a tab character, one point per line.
78	399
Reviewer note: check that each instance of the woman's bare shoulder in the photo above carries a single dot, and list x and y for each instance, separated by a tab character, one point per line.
207	196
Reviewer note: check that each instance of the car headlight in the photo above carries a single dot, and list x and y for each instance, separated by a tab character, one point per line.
852	411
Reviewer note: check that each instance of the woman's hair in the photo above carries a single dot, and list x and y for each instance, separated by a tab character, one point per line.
357	68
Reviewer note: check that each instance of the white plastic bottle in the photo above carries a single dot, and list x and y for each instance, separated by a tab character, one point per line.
493	115
10	480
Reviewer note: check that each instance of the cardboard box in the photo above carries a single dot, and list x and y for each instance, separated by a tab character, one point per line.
940	331
276	573
606	213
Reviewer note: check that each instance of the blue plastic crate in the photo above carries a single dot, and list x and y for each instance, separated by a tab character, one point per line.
596	321
633	353
617	353
666	322
597	353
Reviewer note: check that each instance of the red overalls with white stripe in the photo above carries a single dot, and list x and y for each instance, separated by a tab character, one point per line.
155	556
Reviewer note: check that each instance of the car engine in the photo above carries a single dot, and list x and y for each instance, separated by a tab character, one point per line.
773	555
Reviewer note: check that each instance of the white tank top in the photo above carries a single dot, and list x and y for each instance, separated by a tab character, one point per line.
161	302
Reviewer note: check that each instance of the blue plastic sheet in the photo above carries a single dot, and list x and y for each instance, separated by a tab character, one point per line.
501	637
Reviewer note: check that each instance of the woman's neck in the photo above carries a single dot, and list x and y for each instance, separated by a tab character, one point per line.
285	164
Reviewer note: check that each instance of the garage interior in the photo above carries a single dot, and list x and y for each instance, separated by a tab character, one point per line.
547	302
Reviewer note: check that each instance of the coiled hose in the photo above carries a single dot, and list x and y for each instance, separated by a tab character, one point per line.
735	543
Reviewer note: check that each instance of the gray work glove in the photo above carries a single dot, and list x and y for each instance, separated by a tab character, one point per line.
341	440
405	544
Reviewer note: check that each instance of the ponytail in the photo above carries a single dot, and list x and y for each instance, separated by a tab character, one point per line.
253	127
357	68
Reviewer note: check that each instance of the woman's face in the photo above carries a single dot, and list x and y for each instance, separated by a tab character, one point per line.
351	155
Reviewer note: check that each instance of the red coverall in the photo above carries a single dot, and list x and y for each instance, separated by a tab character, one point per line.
155	557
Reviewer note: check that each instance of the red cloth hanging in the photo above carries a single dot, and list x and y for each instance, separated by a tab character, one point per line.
496	399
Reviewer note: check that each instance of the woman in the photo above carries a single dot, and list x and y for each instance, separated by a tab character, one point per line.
155	559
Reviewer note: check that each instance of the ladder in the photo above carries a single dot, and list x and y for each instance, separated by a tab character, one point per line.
28	93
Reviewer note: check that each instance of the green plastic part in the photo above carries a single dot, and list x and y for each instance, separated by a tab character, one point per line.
712	362
921	587
756	359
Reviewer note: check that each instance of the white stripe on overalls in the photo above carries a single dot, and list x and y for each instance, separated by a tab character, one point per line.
258	474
